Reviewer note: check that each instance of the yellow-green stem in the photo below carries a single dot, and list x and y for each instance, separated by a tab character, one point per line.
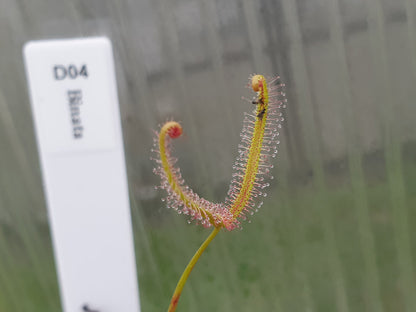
188	269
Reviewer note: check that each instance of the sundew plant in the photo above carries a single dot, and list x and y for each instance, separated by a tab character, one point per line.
252	170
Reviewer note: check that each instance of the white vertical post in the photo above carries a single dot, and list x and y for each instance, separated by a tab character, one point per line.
75	109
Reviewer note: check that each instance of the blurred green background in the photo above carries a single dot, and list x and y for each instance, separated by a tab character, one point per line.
335	232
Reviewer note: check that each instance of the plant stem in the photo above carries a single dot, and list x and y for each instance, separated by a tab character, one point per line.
188	269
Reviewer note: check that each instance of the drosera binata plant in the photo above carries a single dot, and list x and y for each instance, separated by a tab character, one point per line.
252	170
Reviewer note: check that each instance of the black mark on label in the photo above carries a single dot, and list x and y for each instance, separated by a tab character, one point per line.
75	101
61	72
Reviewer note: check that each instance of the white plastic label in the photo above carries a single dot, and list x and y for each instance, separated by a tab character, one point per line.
76	114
